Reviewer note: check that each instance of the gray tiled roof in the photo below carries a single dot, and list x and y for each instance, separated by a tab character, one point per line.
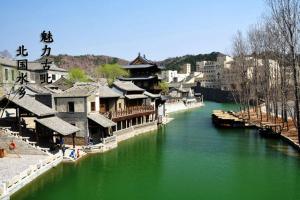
137	66
87	89
58	125
31	66
121	93
36	66
62	83
7	62
152	95
77	91
33	106
106	92
127	86
136	96
37	89
141	59
101	120
137	78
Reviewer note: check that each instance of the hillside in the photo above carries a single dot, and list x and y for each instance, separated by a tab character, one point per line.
89	62
86	62
175	62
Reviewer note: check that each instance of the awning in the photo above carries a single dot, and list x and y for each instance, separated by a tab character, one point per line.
136	96
58	125
101	120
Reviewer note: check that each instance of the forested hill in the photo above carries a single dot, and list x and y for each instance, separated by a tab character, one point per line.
175	62
90	62
86	62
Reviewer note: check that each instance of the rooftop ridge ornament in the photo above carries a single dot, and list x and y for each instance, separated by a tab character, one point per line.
141	60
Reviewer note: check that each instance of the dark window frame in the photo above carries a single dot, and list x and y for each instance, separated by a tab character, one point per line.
71	106
12	75
6	74
93	106
42	77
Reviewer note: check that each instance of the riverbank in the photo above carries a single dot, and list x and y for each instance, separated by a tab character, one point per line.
108	144
18	171
181	106
23	164
121	135
268	126
288	130
225	163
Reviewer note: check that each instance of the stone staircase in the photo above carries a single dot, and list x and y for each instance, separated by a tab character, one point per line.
23	146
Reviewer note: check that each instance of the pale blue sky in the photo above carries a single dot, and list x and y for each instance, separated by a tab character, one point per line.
157	28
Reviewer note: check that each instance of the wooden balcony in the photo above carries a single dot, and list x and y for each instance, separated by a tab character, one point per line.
130	112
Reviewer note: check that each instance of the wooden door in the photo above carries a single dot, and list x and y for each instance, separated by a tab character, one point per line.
103	108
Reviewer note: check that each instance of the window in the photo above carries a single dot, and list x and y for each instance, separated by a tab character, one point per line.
42	77
120	106
93	106
13	75
71	107
6	74
53	77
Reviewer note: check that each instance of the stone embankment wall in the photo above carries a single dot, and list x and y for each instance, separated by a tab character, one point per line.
17	182
217	95
135	130
121	135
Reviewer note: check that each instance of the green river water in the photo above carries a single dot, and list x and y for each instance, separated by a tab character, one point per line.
187	159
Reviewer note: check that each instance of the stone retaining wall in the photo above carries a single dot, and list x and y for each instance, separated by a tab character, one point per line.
135	130
217	95
9	187
122	135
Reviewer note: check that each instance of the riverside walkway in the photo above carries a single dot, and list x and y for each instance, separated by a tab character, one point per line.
21	165
286	130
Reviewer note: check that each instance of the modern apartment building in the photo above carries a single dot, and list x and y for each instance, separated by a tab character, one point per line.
212	71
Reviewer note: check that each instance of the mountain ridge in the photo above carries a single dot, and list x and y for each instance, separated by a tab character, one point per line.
90	62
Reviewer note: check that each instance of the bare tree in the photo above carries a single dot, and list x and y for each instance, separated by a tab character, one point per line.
240	52
285	14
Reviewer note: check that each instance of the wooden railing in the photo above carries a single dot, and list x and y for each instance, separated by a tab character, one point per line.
129	111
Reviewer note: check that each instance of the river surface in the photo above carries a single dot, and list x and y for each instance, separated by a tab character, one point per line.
187	159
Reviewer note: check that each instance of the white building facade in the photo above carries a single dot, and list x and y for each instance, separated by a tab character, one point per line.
212	71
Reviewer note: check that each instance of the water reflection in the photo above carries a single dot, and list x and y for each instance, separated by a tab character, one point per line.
186	159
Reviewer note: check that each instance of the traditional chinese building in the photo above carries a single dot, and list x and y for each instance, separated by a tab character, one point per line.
134	106
73	106
35	73
36	121
99	111
144	73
